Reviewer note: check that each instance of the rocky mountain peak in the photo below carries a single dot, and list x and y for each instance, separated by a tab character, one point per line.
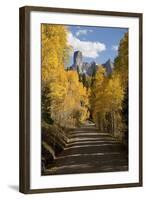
89	69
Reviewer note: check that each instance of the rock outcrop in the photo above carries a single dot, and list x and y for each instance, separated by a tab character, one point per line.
108	65
89	69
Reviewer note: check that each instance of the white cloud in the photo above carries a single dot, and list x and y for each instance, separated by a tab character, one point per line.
83	32
88	48
115	47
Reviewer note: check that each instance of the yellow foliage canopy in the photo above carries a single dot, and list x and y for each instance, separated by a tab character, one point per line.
106	98
67	98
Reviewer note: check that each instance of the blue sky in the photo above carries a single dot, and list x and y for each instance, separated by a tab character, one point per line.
96	43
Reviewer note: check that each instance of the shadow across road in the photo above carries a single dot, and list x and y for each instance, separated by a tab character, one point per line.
88	151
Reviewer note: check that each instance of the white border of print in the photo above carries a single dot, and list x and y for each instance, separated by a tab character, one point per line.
132	175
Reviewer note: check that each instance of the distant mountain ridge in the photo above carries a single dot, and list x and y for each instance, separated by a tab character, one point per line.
89	69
